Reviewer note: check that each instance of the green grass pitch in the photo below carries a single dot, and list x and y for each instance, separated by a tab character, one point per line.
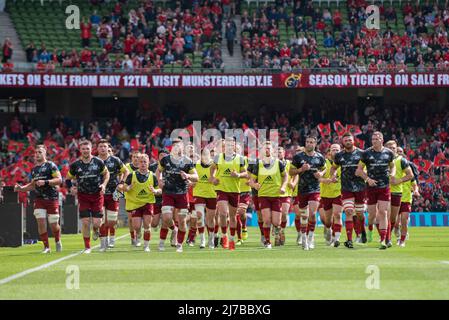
418	271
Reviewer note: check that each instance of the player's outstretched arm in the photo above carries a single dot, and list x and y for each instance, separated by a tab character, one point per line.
28	187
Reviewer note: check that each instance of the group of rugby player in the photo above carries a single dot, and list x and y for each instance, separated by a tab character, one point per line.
187	191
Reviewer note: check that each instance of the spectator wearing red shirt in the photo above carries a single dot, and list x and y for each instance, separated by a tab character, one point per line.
285	52
320	25
373	67
86	56
128	44
86	33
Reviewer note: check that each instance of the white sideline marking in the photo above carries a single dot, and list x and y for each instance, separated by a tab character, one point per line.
445	262
46	265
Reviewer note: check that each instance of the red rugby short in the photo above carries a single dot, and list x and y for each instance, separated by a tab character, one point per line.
52	206
304	199
178	201
378	194
232	198
274	204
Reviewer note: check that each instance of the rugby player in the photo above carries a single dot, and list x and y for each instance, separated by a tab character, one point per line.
310	165
133	166
403	174
380	166
205	198
45	179
141	190
244	201
331	202
90	178
353	188
409	189
295	205
156	221
226	171
270	180
178	172
117	175
286	199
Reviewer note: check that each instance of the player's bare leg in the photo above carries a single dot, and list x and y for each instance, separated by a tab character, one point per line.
200	215
382	220
223	210
372	213
297	212
285	207
313	208
232	226
104	233
304	223
216	228
404	216
43	233
336	225
394	213
192	220
266	216
360	213
131	229
85	229
326	218
167	223
210	223
111	217
276	219
242	233
349	208
182	228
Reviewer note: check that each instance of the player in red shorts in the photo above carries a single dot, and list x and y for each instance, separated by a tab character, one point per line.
205	198
244	201
226	171
133	166
156	221
91	177
409	189
178	171
141	191
295	205
310	166
45	181
117	175
352	187
269	178
403	174
380	166
195	222
286	200
331	203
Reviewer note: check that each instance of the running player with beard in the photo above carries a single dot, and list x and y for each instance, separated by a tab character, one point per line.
380	166
403	174
409	189
226	171
310	165
286	199
244	201
45	181
178	172
117	175
353	188
269	178
91	177
331	200
141	190
133	166
205	198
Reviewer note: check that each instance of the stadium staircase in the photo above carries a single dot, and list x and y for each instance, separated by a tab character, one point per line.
7	30
234	62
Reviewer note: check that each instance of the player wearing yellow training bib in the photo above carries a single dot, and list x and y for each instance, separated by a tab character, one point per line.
331	204
244	201
409	189
205	197
133	166
140	187
226	171
402	174
286	199
269	177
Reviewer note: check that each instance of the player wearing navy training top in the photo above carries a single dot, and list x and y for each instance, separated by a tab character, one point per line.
45	181
379	162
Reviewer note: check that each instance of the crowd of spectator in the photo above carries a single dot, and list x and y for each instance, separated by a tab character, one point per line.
321	38
422	134
148	38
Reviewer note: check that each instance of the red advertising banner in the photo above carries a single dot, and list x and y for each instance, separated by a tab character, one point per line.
283	80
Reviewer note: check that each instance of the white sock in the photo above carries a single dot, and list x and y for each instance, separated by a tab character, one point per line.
337	236
146	243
